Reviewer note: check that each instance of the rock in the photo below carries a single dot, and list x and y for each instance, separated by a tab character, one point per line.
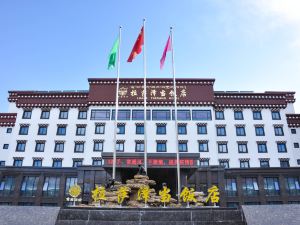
141	177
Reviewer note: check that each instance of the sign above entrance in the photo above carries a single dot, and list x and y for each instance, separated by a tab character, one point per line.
152	163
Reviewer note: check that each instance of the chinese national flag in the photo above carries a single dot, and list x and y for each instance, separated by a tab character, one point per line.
137	48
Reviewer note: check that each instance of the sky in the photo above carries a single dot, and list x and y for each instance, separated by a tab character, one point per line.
246	45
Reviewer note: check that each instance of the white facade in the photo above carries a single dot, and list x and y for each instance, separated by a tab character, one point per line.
130	137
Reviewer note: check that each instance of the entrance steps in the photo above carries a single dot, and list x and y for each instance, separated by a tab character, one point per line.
150	216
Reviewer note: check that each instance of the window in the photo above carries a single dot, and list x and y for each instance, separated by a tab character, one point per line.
276	116
259	131
219	115
296	145
240	131
45	114
59	147
63	114
79	147
97	162
120	147
293	131
204	162
122	114
121	129
242	147
161	115
37	163
161	147
161	128
24	130
80	130
224	164
262	148
61	130
18	162
57	163
250	186
182	129
20	146
51	186
139	129
230	187
203	146
82	114
232	204
201	114
27	114
29	186
182	147
271	186
42	130
2	163
5	146
202	129
139	146
298	161
100	129
238	115
103	114
9	130
278	131
244	164
40	146
221	131
281	147
292	185
71	181
98	146
222	148
264	163
284	163
77	162
7	185
182	114
257	115
139	114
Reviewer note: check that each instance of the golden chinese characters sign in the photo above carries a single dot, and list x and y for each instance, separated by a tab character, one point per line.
154	92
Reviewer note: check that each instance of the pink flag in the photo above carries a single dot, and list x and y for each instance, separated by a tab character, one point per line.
167	48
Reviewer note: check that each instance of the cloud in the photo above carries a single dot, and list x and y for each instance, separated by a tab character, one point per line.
280	13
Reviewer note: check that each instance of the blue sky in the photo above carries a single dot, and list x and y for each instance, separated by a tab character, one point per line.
58	44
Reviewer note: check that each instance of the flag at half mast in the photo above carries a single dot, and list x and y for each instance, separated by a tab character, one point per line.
112	59
137	48
168	47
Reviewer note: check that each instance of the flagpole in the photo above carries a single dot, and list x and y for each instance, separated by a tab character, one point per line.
145	100
116	109
175	114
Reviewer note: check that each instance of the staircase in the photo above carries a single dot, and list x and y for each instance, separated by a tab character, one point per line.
150	216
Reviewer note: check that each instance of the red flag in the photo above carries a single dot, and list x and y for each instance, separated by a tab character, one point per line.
168	47
137	48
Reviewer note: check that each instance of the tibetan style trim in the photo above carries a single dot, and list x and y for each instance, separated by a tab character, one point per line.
161	141
139	141
281	142
79	142
224	160
202	141
244	159
18	158
264	159
220	125
182	141
37	158
204	159
278	125
242	142
96	158
98	140
240	125
40	141
120	141
259	125
293	120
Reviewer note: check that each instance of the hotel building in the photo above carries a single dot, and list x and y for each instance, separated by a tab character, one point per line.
247	143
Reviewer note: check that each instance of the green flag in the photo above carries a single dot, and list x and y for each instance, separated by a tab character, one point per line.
113	55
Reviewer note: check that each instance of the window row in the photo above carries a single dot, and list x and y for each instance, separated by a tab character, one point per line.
271	186
57	163
244	163
51	186
107	114
160	129
242	147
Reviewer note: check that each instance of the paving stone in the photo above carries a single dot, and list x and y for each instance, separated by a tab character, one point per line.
28	215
